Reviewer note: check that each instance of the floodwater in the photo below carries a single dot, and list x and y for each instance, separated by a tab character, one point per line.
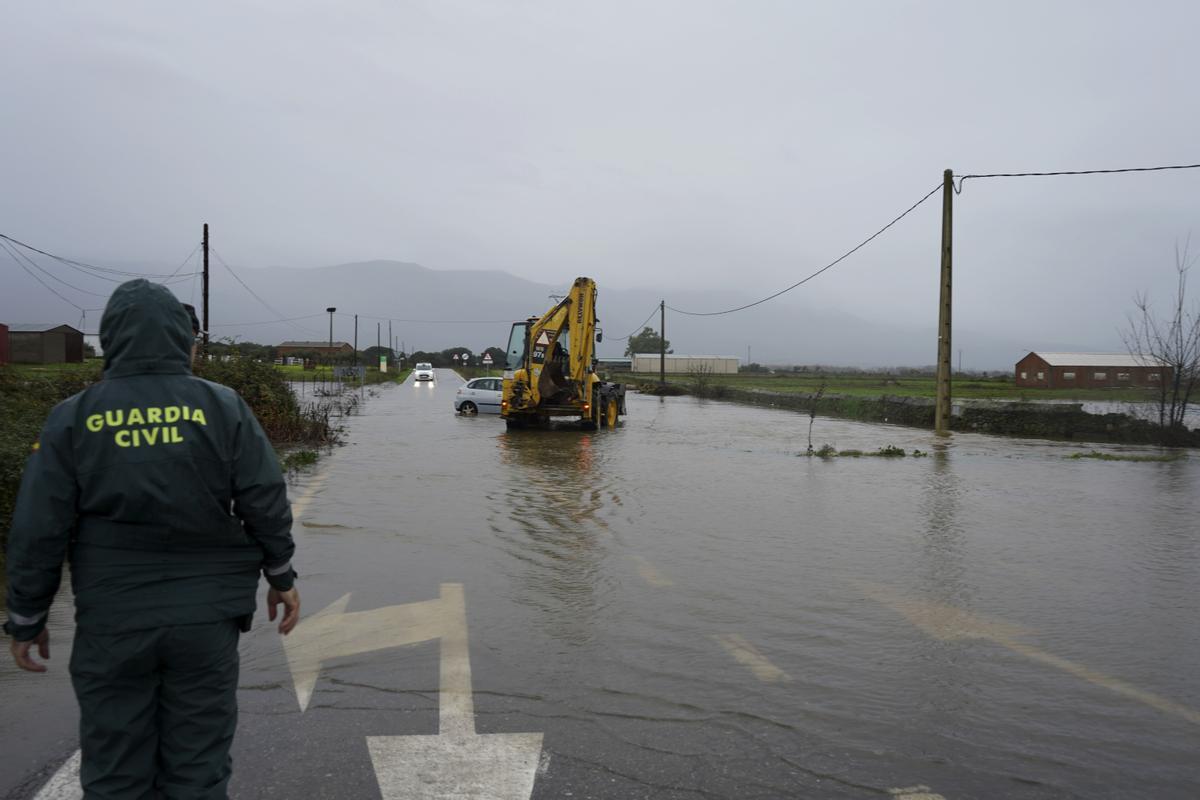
688	607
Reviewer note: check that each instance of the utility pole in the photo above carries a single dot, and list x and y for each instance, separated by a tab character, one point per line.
391	343
356	340
941	422
204	289
331	311
378	346
662	344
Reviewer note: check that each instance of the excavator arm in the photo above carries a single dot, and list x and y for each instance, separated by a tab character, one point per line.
552	373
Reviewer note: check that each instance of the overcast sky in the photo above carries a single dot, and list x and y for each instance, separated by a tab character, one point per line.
716	145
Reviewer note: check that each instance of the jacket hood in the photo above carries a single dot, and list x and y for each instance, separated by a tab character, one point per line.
145	329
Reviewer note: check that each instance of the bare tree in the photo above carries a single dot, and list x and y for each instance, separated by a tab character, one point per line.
1172	342
813	401
701	375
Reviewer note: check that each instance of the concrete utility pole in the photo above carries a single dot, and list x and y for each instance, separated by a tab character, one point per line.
391	343
331	311
377	339
662	344
941	423
204	290
356	340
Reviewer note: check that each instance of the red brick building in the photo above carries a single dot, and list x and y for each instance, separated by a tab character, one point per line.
1041	370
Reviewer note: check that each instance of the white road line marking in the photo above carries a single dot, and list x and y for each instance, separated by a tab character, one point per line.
300	505
650	573
946	622
915	793
63	784
749	656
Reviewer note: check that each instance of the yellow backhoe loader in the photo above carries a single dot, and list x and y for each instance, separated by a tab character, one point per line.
551	368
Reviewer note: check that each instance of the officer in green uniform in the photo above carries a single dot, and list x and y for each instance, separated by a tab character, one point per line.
166	497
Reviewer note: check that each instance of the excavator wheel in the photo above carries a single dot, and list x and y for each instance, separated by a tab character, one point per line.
610	411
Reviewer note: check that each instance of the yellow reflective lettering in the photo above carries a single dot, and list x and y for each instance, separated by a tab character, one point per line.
198	417
114	419
175	437
154	416
95	423
135	417
150	435
122	438
171	414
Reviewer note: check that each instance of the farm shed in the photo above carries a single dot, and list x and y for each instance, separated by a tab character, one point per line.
1043	370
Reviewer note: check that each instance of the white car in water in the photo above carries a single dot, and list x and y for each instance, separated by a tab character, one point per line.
423	371
479	396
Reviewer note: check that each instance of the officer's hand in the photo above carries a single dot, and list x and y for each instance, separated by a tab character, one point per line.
291	608
20	651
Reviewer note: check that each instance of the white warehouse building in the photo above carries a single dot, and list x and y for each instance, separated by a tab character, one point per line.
684	365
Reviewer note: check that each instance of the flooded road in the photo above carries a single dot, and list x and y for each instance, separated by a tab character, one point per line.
685	607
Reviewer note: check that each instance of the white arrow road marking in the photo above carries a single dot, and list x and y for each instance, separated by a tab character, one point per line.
63	784
947	622
457	763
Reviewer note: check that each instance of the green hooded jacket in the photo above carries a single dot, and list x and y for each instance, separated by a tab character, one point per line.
160	488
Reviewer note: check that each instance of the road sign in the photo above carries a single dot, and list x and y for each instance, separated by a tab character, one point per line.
487	359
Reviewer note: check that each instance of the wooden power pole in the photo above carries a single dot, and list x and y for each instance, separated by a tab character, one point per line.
942	412
662	344
204	290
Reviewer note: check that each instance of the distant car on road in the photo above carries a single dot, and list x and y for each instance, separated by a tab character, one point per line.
479	396
423	371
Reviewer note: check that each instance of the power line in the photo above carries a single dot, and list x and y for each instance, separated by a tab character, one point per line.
962	178
85	266
267	321
18	254
639	328
185	261
432	321
828	266
254	294
12	252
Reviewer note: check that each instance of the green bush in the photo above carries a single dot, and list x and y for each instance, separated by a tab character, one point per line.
26	397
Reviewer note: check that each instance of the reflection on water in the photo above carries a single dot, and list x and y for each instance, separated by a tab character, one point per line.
549	521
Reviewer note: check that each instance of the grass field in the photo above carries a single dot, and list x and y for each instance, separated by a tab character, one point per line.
90	367
876	385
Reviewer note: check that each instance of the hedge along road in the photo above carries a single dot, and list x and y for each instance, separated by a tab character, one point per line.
686	608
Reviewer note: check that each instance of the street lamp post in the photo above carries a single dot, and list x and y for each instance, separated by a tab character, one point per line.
331	311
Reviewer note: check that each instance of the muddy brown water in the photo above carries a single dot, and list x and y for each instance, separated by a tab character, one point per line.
688	608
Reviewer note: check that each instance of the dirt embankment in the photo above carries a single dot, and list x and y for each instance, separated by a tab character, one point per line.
1034	420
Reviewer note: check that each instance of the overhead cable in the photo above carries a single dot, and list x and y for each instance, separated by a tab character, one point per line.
962	178
85	266
639	328
267	321
12	252
828	266
29	261
265	304
430	321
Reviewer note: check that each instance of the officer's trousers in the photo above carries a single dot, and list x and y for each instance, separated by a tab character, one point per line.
158	710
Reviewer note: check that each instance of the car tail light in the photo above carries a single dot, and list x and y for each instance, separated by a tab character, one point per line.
587	409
